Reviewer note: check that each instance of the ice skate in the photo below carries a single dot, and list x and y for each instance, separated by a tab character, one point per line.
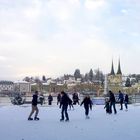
67	120
36	118
61	120
30	119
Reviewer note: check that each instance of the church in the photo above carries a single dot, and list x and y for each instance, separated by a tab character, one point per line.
115	79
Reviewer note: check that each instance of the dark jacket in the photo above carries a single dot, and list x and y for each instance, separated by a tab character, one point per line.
107	106
87	102
112	97
121	98
65	100
58	97
126	99
50	98
34	100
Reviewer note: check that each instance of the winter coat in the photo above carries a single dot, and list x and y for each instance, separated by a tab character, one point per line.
112	98
126	99
121	98
65	100
87	102
50	98
34	100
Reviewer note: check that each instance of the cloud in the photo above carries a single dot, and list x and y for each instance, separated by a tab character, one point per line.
3	58
94	4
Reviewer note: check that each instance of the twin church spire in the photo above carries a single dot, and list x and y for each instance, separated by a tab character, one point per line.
119	69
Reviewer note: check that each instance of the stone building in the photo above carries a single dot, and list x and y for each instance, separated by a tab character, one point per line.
115	79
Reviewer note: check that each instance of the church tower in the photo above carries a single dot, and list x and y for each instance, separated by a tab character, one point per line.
119	68
115	80
112	69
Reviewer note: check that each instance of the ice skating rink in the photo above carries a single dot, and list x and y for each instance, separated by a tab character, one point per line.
101	126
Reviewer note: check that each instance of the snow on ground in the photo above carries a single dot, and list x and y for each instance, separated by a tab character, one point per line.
101	126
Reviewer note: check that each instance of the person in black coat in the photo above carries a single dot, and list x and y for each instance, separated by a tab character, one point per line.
112	101
64	105
121	99
75	98
58	98
34	107
50	99
87	104
107	105
126	100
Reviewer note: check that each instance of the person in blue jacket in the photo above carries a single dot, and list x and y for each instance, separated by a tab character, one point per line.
121	99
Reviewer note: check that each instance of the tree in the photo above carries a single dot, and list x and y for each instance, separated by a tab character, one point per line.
91	75
77	74
128	82
86	77
99	75
27	79
43	78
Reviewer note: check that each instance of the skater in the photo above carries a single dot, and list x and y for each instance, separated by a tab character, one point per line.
70	104
50	99
34	107
112	102
87	104
126	99
75	98
64	105
41	99
121	99
58	98
107	105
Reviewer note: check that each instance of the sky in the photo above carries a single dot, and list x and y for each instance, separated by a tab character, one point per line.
55	37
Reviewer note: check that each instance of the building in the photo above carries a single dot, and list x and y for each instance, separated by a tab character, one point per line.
115	80
6	86
22	87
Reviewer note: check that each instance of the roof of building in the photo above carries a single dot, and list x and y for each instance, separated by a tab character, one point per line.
6	82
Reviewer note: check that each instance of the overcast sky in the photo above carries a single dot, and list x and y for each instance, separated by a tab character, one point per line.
53	37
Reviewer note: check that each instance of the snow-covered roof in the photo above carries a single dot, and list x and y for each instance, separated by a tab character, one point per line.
21	82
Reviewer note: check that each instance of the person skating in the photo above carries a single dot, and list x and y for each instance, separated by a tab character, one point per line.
58	98
107	107
64	106
50	99
75	98
70	104
34	107
87	104
121	99
112	101
41	99
126	100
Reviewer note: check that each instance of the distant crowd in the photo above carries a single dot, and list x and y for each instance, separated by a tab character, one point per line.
63	100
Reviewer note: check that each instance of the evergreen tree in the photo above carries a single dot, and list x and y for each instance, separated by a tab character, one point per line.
91	75
43	78
77	74
86	77
128	82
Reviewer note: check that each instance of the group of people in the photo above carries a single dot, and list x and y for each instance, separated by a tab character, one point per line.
63	100
111	101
